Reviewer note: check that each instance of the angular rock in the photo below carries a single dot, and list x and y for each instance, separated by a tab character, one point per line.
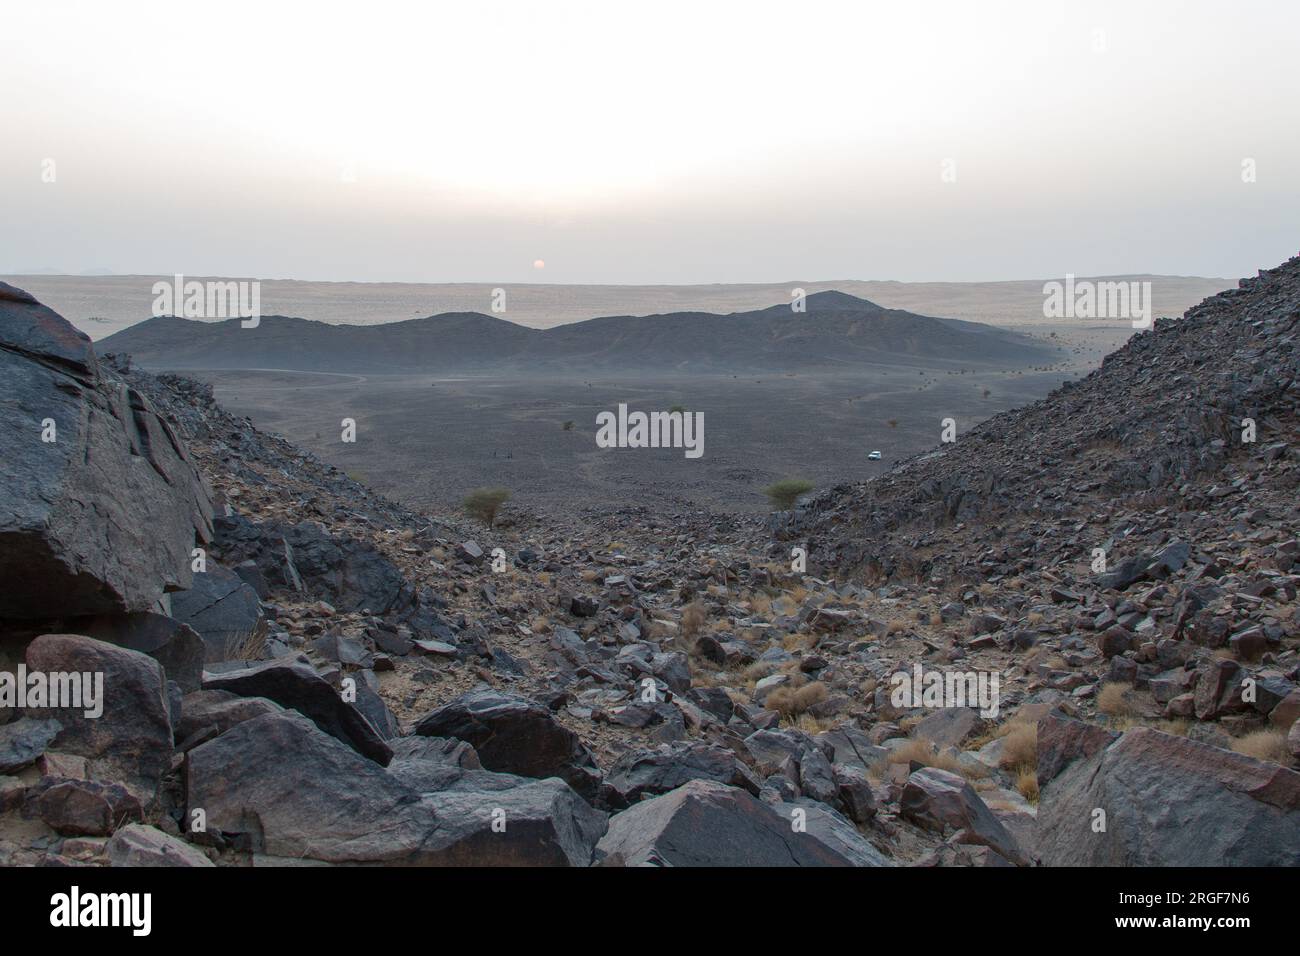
279	786
515	735
176	646
641	773
131	740
219	710
140	845
223	610
24	741
704	823
294	684
833	830
84	807
936	799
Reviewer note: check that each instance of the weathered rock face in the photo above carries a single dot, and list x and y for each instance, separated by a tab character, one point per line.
130	742
102	518
280	787
515	735
305	557
223	610
710	824
1168	801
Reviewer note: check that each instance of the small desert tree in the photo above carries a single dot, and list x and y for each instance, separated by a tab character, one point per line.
785	492
482	503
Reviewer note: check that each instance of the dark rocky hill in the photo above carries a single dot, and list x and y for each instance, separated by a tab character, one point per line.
837	331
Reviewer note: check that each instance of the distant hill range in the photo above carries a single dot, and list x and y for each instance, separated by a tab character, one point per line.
836	331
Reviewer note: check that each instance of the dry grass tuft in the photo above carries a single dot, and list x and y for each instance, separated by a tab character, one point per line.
1267	745
926	754
1027	784
693	617
790	701
1020	746
1113	700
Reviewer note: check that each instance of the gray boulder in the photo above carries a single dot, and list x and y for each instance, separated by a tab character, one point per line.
59	556
704	823
641	773
130	742
24	740
279	787
515	735
1168	801
939	800
216	711
293	683
176	646
834	830
138	844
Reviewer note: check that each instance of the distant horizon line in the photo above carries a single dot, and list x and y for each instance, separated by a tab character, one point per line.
604	285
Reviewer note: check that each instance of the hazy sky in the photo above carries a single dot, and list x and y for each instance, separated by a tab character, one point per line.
650	143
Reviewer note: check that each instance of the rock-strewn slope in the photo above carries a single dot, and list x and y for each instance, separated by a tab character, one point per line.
350	682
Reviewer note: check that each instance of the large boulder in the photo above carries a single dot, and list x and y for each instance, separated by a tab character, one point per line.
1166	800
277	786
294	683
513	734
704	823
130	741
103	518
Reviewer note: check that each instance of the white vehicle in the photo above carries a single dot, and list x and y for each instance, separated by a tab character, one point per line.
874	456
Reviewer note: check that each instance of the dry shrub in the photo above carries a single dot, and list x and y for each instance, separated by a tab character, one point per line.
1264	745
693	617
791	701
926	754
1027	784
1113	700
1020	746
483	503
